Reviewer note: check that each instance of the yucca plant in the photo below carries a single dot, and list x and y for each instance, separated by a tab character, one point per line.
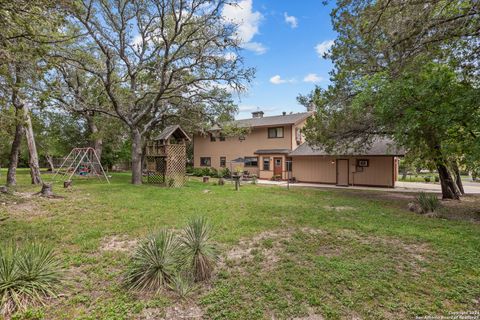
199	251
182	284
154	262
428	202
28	275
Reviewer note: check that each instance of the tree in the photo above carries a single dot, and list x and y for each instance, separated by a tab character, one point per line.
27	28
156	59
404	69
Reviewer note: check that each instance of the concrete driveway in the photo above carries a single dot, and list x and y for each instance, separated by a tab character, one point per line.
400	186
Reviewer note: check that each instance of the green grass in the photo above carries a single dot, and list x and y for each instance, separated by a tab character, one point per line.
370	259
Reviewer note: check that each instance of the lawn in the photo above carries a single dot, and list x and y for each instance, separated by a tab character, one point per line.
285	254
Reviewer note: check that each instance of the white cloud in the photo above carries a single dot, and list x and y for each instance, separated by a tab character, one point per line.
256	47
291	20
247	22
323	47
312	77
276	79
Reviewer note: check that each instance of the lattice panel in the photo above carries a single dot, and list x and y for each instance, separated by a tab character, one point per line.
169	170
176	161
156	169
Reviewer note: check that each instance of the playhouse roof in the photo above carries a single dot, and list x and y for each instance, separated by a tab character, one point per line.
176	131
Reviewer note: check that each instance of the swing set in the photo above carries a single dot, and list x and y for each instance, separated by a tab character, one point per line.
82	162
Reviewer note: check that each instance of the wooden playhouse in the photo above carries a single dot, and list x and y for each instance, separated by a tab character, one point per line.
166	157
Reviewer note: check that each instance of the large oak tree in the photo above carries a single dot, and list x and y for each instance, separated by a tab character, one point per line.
156	59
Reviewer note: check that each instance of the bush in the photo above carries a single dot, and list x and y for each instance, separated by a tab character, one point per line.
28	275
437	179
427	179
154	263
182	285
224	173
199	252
428	202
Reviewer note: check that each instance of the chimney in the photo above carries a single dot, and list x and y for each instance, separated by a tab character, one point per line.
257	114
311	106
284	113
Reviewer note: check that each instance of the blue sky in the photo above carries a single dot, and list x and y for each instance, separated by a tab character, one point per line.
282	40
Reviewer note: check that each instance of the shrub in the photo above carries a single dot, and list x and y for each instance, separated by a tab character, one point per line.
428	202
213	173
182	285
224	173
28	275
154	263
437	179
427	179
199	252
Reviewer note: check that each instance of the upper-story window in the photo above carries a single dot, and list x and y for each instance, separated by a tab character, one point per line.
275	132
212	138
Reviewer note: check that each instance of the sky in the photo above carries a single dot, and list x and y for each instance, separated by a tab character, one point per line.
284	41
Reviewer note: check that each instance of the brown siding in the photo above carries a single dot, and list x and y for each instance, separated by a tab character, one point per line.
233	148
314	169
322	169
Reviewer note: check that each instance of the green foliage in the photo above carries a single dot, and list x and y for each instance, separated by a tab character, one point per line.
164	260
154	263
182	285
28	275
199	251
224	173
211	172
428	202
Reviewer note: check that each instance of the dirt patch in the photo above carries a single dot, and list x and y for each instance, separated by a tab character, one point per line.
339	208
118	243
177	311
268	244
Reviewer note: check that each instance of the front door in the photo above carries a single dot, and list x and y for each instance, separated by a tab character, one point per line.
277	166
342	172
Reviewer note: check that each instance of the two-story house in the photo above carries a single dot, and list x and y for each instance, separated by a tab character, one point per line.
275	145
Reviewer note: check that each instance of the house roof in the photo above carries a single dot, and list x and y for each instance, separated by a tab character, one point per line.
272	151
176	131
379	147
269	121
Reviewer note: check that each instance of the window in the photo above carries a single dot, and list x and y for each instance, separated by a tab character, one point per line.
275	132
251	162
266	164
212	138
205	161
223	161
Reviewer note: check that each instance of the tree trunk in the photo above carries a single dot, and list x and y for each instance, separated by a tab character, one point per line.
46	190
458	178
49	159
97	141
32	148
136	157
15	150
449	188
